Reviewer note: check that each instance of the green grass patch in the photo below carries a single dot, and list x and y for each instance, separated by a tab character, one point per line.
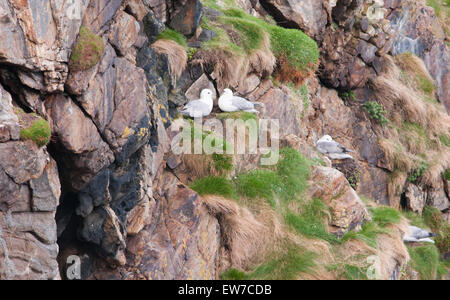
88	50
300	51
293	172
447	174
417	172
445	139
376	111
436	6
222	162
251	35
425	84
349	272
368	234
311	221
283	266
434	219
33	127
384	216
262	184
233	274
213	186
415	219
425	260
237	115
286	182
39	132
297	53
173	35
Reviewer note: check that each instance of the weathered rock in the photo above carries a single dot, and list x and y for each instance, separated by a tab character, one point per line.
181	242
46	189
99	15
28	248
309	16
152	26
278	106
137	9
418	31
22	161
84	151
159	7
347	209
415	198
9	126
329	115
185	15
103	229
124	32
193	93
39	37
437	197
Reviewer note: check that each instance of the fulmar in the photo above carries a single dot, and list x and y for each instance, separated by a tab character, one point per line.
230	103
418	235
326	145
201	107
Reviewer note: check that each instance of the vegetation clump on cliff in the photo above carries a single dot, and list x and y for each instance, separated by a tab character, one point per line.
242	37
33	127
87	52
173	35
415	138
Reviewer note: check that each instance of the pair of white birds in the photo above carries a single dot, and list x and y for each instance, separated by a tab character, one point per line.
227	103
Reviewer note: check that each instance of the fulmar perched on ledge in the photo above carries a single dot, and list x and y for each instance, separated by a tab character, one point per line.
201	107
230	103
418	235
326	145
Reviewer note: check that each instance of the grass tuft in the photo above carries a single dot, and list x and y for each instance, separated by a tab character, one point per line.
384	216
238	115
213	186
425	260
172	35
33	127
311	222
88	50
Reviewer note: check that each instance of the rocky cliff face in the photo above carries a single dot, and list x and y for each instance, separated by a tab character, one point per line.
89	90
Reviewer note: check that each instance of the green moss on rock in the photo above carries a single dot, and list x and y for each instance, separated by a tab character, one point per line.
33	127
88	50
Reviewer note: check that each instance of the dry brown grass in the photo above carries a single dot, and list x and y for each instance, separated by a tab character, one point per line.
391	250
412	137
176	55
285	72
230	69
242	234
199	166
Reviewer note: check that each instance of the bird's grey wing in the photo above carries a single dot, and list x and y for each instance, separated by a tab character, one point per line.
420	233
330	147
196	105
241	103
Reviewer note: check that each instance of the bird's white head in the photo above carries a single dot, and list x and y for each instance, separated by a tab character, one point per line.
228	92
326	138
206	94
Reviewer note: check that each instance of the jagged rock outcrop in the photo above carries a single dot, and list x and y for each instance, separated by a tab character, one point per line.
418	31
29	195
347	210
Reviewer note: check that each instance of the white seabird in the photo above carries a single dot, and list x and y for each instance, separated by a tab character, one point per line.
230	103
418	235
201	107
326	145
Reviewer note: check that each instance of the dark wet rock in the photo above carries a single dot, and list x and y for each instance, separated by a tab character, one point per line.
152	26
185	16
